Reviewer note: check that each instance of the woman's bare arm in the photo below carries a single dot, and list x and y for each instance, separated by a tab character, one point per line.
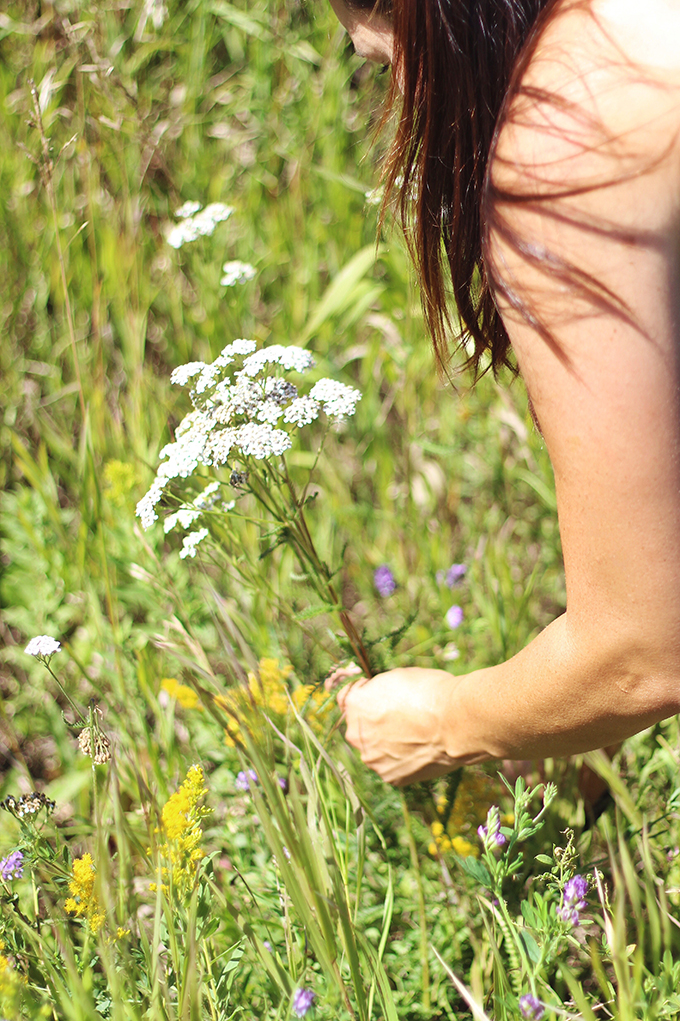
605	387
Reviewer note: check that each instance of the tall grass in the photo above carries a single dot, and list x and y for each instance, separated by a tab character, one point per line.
379	903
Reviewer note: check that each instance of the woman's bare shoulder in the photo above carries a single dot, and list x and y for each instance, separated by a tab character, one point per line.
598	100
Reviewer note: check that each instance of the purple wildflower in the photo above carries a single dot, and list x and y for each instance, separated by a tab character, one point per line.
302	1001
383	580
454	617
573	899
491	833
283	784
12	867
453	576
267	945
244	779
531	1007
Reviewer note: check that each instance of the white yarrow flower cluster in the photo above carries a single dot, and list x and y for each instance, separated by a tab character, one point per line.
43	647
237	273
248	414
191	541
197	222
339	401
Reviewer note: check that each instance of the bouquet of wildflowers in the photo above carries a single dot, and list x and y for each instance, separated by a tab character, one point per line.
246	414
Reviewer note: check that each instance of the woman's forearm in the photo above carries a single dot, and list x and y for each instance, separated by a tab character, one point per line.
570	690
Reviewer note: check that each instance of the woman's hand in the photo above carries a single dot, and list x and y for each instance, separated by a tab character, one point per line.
400	722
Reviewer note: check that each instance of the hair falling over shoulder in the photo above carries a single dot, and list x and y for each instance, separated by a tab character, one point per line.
455	65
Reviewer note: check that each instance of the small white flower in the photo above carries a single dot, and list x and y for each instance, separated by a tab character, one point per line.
237	273
183	373
221	445
276	354
302	411
261	440
191	541
339	400
44	646
238	347
202	224
188	209
374	196
269	411
280	390
146	507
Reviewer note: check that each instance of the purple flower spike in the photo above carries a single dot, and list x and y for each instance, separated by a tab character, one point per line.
454	617
573	899
491	833
12	867
531	1007
244	779
302	1001
383	579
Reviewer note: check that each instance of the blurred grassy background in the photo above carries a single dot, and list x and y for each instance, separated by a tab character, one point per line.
263	106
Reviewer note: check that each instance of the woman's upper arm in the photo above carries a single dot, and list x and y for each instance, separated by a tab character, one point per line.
587	264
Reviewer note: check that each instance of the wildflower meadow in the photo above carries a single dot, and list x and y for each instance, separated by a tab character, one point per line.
229	471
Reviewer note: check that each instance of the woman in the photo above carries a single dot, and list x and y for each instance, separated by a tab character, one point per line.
540	145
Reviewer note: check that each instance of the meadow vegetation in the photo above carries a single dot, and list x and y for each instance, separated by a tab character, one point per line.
183	832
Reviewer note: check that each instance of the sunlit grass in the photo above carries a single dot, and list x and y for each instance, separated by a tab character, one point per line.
317	876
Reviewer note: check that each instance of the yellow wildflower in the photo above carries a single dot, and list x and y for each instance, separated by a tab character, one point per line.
266	690
475	794
181	825
83	899
120	478
10	985
182	693
317	703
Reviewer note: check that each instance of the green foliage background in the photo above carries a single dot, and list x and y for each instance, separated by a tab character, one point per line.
263	106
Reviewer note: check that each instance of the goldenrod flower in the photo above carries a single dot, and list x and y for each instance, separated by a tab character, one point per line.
181	825
182	693
83	899
267	690
475	794
317	702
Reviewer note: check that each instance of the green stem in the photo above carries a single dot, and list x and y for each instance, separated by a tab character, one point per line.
424	943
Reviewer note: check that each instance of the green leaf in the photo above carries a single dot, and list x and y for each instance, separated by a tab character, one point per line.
315	611
476	869
544	859
530	945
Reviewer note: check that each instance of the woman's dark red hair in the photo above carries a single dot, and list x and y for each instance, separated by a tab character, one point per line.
455	64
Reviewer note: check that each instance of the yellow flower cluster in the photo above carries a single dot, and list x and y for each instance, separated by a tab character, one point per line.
83	899
266	690
182	693
181	826
120	478
10	986
475	794
315	703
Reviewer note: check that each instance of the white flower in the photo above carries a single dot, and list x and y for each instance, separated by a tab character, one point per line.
302	411
289	357
184	517
191	541
188	209
374	196
202	224
44	646
221	445
238	347
236	273
261	440
269	411
146	507
183	373
280	390
339	400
